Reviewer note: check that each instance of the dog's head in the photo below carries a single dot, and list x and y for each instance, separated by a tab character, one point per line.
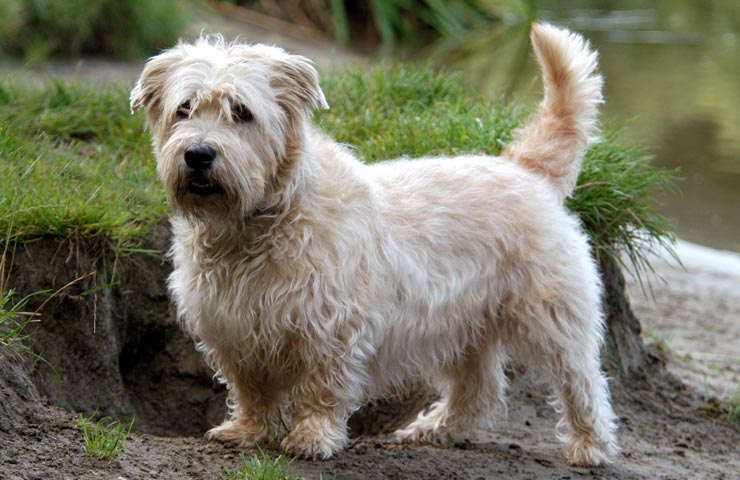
228	121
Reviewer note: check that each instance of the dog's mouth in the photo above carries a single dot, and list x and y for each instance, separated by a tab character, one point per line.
200	185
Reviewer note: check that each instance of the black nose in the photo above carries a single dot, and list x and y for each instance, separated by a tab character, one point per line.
199	157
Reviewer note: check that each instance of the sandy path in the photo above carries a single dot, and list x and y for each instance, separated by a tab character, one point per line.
695	313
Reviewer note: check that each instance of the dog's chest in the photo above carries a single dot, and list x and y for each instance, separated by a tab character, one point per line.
241	305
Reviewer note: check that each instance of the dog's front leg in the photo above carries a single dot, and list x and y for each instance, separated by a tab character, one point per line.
323	400
252	404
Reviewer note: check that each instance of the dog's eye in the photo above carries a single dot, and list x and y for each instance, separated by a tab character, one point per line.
183	111
241	114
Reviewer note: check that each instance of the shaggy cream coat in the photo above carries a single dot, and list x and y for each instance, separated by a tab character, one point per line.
313	282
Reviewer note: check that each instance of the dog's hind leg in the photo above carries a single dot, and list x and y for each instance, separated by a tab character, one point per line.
475	388
569	349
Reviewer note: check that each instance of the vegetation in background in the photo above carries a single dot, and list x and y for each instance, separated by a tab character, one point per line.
386	22
260	467
120	28
104	438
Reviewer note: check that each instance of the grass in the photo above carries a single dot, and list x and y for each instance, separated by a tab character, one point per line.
413	112
613	200
75	162
104	438
261	467
13	322
733	411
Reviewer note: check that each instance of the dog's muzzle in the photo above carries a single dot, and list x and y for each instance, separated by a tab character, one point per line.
200	158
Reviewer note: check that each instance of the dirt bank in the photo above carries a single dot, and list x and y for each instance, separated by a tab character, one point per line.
118	351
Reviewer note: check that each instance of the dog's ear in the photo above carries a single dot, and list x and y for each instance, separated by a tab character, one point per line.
297	84
149	90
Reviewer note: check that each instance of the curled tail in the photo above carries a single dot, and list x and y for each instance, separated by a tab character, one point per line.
553	144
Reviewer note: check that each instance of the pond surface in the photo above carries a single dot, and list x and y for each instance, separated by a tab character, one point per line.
672	73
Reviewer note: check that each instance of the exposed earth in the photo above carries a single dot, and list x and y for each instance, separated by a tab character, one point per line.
118	351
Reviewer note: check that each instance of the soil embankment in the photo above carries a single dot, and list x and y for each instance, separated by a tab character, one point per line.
117	350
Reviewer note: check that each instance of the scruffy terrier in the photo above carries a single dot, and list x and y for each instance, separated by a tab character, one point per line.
314	283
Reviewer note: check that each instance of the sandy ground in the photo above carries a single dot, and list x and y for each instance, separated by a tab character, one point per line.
671	427
694	313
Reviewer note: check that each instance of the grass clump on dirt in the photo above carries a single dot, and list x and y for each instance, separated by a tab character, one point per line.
75	162
261	467
612	199
13	322
104	438
733	414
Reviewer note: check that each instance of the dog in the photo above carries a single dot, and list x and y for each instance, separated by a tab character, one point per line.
313	282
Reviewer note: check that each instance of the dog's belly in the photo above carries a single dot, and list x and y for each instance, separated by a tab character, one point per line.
429	325
468	237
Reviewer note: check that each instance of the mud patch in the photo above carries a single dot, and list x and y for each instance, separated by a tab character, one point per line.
665	433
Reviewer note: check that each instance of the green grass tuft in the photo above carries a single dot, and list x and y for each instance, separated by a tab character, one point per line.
104	438
733	411
613	200
413	112
261	467
13	322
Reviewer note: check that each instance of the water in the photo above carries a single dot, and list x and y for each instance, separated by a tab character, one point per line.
672	71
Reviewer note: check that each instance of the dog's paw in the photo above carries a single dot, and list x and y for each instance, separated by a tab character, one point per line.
588	454
425	434
427	430
433	427
314	441
236	432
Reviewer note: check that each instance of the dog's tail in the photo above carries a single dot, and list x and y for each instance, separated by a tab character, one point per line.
553	144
